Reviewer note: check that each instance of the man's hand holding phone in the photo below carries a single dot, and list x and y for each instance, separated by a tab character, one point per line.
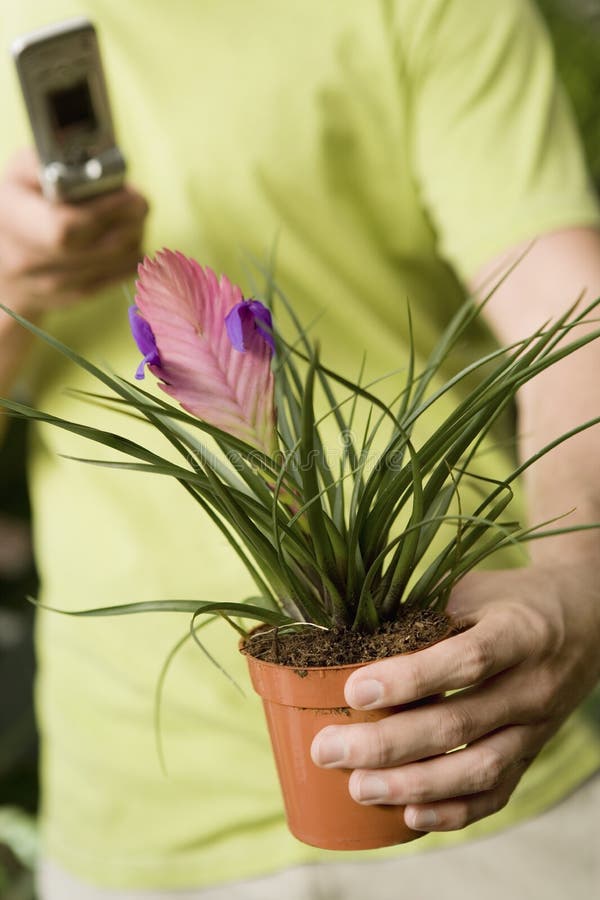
55	254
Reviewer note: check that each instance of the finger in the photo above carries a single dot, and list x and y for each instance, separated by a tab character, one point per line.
78	228
22	171
123	273
452	815
45	273
23	167
54	232
419	733
92	263
481	767
498	641
101	214
62	288
27	217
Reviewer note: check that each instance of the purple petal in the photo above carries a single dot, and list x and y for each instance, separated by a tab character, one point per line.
144	338
244	319
234	326
263	315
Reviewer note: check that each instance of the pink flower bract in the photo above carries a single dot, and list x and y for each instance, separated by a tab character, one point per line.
185	306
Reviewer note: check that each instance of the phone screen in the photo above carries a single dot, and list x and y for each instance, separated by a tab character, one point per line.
72	107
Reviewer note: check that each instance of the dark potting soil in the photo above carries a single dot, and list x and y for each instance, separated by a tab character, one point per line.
340	646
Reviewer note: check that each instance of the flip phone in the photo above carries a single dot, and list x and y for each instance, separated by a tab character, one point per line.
63	85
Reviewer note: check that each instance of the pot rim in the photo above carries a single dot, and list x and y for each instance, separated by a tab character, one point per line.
450	631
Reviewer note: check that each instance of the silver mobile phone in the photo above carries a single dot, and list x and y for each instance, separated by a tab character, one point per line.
63	85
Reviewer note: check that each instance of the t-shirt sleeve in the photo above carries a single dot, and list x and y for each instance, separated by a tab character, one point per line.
496	155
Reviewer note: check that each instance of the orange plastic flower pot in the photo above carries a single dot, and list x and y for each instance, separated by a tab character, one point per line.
319	808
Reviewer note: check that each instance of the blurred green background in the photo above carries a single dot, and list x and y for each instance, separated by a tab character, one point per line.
575	27
18	740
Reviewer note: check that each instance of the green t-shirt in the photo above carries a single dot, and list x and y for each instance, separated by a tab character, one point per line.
390	148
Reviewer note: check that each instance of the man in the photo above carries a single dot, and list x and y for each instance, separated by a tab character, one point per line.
398	149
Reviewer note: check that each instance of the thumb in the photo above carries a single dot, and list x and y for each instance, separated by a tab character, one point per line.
23	168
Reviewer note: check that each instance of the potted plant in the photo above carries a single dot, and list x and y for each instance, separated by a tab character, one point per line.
339	550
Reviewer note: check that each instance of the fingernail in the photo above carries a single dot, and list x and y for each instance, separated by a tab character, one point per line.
371	789
328	750
365	693
420	819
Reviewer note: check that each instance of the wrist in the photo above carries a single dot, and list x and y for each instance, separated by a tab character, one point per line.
572	580
24	306
576	548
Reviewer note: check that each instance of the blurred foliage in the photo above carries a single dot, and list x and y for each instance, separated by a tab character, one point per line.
14	502
18	739
18	742
575	29
13	494
18	848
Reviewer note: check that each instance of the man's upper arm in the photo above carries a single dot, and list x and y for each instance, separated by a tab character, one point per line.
545	278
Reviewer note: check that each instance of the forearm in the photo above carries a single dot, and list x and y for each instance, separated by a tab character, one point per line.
568	478
543	285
